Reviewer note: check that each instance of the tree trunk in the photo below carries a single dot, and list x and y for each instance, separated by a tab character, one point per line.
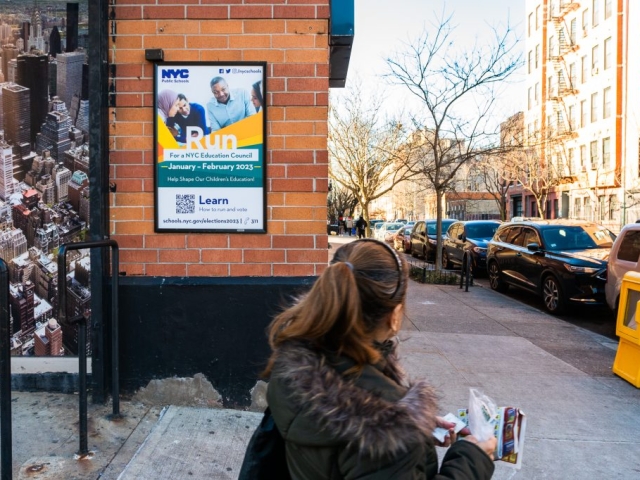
439	195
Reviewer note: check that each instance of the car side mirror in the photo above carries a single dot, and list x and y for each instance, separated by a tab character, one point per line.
533	247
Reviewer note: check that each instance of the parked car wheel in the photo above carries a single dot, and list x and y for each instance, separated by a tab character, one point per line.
552	295
495	281
446	263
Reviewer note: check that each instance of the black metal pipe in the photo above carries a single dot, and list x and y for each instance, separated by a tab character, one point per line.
6	469
62	308
82	381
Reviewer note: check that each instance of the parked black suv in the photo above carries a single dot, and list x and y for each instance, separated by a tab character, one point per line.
424	237
561	260
468	239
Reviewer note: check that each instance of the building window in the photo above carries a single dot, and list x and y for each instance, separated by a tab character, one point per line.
530	98
587	208
577	208
536	128
606	103
550	87
606	152
594	107
583	156
550	126
613	207
536	93
537	59
583	69
608	8
573	31
601	208
571	159
595	17
572	117
583	113
585	22
530	66
593	147
552	47
537	17
607	53
573	76
595	59
530	24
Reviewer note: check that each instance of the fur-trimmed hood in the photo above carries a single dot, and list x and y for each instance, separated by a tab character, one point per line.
315	405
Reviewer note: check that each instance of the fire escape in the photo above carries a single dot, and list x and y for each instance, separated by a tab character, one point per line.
562	89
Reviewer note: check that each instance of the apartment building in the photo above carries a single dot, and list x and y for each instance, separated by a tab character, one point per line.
583	109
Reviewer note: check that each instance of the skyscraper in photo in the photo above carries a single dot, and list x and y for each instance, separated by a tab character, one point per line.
54	134
55	44
72	27
6	169
24	32
36	39
33	73
53	77
16	104
69	81
9	52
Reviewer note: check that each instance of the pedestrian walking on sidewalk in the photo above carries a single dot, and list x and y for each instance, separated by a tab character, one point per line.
361	225
349	225
337	392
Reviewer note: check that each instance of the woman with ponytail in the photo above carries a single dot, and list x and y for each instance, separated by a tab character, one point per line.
336	391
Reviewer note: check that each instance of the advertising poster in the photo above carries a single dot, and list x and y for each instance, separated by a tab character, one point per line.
210	147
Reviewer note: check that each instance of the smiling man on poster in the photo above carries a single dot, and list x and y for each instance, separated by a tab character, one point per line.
227	106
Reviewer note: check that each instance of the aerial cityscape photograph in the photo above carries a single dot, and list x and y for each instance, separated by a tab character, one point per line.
44	166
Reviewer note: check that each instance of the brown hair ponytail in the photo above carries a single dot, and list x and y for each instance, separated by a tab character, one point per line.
354	295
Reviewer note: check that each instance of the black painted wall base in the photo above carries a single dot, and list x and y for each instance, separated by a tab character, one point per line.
214	326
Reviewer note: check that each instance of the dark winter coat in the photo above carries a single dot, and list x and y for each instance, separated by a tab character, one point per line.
370	427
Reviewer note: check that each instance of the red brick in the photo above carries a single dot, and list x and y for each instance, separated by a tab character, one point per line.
250	41
294	70
125	71
263	256
164	12
277	171
305	171
249	241
298	270
322	98
207	241
295	143
306	113
127	13
321	185
129	241
210	270
293	99
126	41
287	185
288	11
134	85
293	41
172	27
306	84
134	171
134	228
314	27
321	268
246	270
164	41
307	2
221	256
322	156
293	241
117	157
306	256
264	26
207	41
139	255
323	12
291	213
305	199
221	2
179	256
322	70
132	268
309	227
275	84
129	185
165	241
208	12
126	213
322	241
166	270
173	2
251	11
287	156
307	55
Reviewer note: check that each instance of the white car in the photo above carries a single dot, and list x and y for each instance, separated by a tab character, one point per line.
377	231
388	230
624	257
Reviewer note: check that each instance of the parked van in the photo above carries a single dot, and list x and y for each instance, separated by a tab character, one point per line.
623	258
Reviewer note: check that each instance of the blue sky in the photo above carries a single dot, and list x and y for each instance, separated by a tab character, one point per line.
382	25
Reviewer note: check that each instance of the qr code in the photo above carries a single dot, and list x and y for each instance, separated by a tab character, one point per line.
185	203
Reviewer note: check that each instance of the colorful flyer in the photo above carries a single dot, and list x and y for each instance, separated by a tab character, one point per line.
210	147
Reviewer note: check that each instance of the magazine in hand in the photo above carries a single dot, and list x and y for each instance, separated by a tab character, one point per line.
510	426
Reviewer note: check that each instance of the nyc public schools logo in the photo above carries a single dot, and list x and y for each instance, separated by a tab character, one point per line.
174	75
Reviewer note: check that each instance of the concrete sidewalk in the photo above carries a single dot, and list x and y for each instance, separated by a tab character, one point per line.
582	419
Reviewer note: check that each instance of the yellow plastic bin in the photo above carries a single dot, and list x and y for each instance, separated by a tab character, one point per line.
627	362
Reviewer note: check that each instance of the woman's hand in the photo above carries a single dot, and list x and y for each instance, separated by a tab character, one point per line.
489	446
452	436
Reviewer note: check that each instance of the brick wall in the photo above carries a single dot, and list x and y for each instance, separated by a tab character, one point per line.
292	36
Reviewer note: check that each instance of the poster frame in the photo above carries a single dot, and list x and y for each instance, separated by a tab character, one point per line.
215	66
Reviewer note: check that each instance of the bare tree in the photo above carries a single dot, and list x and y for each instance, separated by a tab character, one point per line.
493	170
339	201
456	90
368	156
